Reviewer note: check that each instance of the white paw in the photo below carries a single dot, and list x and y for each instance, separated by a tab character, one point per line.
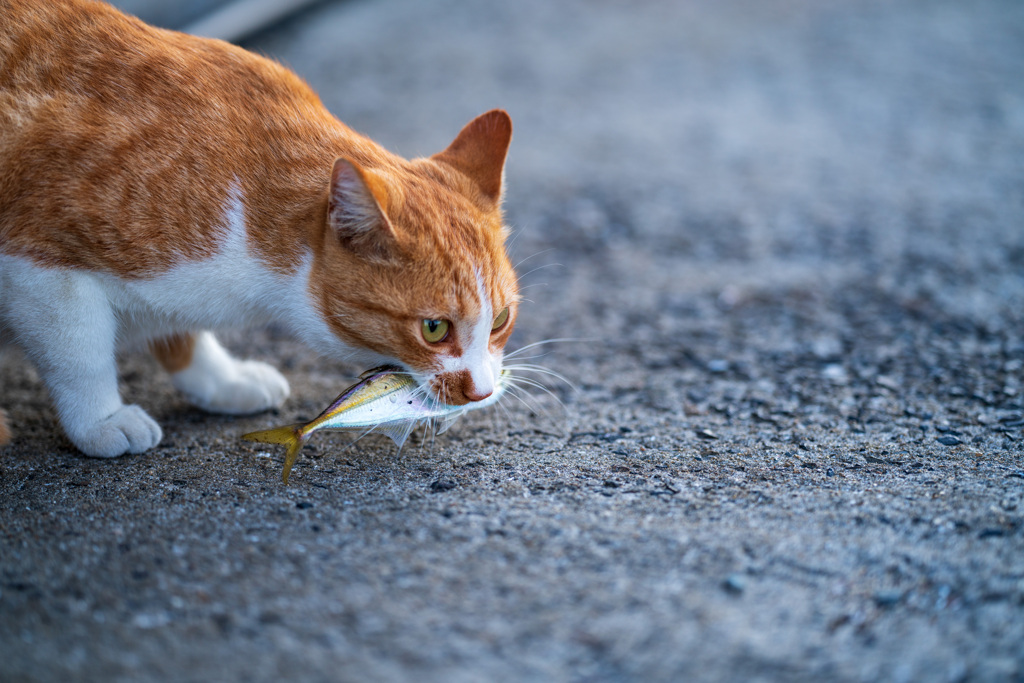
250	387
128	430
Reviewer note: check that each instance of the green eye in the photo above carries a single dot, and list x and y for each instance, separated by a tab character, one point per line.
435	330
500	320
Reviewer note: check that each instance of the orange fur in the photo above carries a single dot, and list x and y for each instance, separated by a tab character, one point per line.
121	144
121	141
174	352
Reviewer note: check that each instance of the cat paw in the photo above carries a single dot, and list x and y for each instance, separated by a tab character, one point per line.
250	387
129	430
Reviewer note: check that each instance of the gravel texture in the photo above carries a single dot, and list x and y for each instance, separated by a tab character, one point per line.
788	239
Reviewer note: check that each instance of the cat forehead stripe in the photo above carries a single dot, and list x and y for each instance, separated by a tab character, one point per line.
482	329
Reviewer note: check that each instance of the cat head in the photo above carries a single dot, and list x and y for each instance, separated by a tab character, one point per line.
413	267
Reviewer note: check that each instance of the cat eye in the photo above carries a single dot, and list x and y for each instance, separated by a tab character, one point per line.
435	330
500	320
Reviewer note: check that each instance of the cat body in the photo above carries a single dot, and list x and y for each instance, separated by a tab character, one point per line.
155	186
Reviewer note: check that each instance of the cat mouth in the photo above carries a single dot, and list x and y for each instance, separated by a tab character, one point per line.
459	388
437	391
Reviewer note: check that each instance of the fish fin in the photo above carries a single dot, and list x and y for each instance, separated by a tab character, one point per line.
396	431
446	422
290	435
378	370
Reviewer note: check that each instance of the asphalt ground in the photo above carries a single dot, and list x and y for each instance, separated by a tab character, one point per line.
787	237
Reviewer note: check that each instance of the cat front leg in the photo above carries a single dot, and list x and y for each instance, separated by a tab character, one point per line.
213	380
66	325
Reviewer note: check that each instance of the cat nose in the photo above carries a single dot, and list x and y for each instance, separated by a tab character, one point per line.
473	394
478	386
460	388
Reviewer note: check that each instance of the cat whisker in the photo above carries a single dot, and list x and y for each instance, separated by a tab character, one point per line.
528	367
513	237
534	408
516	387
542	342
531	256
519	278
537	355
513	392
429	430
507	413
541	387
526	381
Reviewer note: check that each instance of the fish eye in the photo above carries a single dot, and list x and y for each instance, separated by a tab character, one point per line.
500	320
435	331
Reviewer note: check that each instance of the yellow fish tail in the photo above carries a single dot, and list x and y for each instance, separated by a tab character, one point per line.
291	435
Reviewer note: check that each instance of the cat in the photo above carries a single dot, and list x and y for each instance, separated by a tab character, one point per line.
156	186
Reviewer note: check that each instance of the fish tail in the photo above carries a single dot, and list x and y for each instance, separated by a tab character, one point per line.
291	435
286	435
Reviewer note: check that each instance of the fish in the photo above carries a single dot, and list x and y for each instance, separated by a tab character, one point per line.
385	400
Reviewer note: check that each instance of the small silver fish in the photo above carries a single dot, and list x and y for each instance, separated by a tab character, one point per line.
385	400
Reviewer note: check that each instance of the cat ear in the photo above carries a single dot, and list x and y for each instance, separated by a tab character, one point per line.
479	152
355	210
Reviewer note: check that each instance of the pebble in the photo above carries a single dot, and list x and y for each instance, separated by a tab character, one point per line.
948	440
835	373
827	348
734	583
705	434
888	598
888	382
442	485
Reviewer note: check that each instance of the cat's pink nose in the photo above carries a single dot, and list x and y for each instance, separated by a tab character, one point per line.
459	388
473	394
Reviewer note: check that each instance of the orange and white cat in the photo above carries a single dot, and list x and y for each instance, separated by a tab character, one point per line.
155	186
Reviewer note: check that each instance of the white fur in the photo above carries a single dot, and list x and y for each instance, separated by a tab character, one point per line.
483	365
218	383
70	323
68	327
